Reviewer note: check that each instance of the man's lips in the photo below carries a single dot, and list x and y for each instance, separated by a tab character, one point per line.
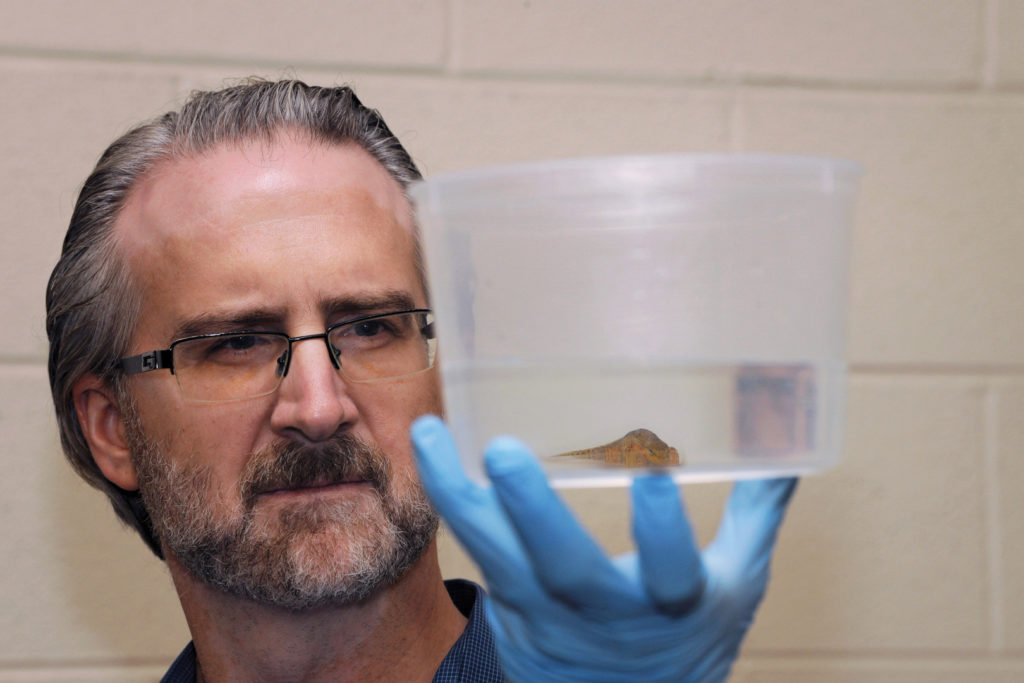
317	487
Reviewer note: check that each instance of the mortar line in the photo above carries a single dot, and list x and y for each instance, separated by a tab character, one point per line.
990	444
990	32
936	368
917	668
899	657
14	360
130	59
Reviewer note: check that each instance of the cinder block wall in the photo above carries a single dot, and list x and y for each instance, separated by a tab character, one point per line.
906	563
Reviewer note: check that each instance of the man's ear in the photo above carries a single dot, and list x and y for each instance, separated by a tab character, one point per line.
99	415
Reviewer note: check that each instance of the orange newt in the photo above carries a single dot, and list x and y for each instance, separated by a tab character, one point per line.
639	448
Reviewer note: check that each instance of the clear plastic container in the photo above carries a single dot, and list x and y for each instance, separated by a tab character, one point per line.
701	298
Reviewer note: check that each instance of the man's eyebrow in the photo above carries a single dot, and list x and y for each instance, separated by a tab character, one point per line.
261	318
210	323
382	302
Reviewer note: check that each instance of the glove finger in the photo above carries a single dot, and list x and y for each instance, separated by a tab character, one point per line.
671	567
565	559
750	525
473	513
629	565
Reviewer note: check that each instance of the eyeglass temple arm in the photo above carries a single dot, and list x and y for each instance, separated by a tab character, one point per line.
144	362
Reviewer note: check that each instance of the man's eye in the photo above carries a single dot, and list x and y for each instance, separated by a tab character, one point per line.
241	348
368	328
239	343
365	335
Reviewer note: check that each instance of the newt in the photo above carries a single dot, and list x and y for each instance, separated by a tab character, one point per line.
639	448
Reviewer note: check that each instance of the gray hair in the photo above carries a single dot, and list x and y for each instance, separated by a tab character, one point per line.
92	307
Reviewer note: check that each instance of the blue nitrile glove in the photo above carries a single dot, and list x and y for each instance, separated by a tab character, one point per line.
561	610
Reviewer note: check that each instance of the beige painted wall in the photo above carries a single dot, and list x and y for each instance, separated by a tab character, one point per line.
906	563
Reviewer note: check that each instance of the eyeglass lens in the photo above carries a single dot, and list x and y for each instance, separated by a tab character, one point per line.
237	366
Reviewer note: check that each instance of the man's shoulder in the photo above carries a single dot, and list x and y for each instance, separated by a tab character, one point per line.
472	659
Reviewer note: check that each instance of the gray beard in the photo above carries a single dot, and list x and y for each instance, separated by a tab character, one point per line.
316	553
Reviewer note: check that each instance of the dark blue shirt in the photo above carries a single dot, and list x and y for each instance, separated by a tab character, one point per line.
472	658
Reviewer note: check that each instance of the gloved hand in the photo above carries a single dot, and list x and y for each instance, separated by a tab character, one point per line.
561	610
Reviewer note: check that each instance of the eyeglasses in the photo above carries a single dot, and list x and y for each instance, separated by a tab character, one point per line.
231	366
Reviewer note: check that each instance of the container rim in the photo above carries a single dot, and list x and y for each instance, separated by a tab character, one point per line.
481	178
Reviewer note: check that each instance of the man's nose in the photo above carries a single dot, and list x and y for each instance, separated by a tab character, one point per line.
313	400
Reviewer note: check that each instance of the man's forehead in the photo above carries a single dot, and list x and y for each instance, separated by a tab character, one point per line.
280	226
259	184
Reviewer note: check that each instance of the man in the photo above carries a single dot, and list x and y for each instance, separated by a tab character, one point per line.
240	341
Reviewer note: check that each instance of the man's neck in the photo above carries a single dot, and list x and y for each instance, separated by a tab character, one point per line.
402	632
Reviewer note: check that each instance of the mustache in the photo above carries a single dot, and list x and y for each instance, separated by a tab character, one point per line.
291	465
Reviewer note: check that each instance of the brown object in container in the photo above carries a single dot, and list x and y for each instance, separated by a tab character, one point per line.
639	448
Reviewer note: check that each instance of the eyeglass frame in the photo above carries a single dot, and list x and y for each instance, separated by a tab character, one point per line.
162	359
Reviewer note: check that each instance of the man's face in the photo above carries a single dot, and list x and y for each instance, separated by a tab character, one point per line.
307	496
